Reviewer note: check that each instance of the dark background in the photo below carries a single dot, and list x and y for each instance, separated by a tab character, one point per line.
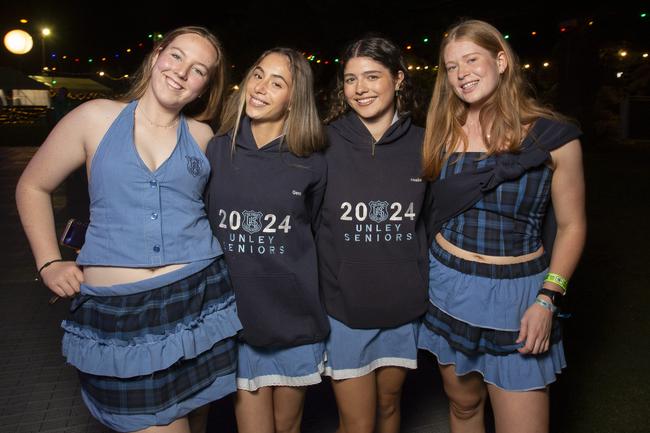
606	387
580	81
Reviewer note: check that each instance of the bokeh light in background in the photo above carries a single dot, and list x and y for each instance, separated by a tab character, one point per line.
18	41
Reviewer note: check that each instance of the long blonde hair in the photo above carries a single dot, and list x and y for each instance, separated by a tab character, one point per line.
303	131
206	108
504	118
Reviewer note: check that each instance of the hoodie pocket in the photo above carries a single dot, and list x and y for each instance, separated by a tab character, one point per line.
272	309
382	295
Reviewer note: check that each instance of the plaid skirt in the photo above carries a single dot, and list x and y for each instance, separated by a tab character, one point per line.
151	357
473	322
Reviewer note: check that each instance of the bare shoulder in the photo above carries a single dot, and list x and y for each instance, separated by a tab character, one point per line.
94	114
201	132
568	155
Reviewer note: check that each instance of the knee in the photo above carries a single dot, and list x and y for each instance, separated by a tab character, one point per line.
388	404
287	424
466	408
357	426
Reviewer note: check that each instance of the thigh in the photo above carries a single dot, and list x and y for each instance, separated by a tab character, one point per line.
466	390
356	399
198	419
287	407
181	425
389	382
520	411
254	411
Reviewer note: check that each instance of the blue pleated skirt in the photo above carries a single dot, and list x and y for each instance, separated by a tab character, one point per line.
355	352
289	366
473	323
150	352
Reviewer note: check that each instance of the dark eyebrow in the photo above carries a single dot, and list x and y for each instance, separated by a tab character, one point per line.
363	73
273	75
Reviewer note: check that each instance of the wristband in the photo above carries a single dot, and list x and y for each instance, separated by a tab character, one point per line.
558	280
46	265
550	307
552	294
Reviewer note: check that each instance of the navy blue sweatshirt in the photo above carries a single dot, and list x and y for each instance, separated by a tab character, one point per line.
262	205
372	248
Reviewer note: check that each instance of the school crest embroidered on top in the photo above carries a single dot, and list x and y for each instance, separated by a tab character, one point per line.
252	221
193	165
378	211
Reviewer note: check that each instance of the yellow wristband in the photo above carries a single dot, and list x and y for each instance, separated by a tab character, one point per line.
559	280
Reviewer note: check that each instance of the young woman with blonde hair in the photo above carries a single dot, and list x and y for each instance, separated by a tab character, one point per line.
152	316
496	158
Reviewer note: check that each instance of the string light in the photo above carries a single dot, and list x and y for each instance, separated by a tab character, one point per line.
563	27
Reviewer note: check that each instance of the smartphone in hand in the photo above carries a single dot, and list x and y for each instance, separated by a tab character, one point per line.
74	234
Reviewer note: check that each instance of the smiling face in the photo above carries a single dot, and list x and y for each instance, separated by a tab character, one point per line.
182	70
472	71
268	89
369	88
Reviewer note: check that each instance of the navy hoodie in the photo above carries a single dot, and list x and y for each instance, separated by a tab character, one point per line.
372	248
262	205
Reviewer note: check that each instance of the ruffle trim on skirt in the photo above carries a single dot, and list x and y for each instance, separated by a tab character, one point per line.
512	371
472	340
219	388
149	353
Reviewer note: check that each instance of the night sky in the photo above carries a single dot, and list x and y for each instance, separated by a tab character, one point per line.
101	28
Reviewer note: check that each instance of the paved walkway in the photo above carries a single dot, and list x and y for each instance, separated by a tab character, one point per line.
40	393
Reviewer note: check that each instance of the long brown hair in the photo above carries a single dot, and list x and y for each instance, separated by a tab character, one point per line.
303	131
504	118
206	108
380	50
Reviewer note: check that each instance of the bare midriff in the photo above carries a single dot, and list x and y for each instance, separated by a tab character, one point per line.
110	275
482	258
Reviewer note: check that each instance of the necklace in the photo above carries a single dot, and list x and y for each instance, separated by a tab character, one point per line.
158	125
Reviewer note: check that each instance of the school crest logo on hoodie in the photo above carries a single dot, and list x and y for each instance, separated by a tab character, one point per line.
252	221
378	211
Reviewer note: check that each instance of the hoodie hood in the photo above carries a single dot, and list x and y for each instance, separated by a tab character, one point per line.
246	140
352	129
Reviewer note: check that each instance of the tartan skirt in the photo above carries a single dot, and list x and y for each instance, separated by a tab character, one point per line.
151	357
473	322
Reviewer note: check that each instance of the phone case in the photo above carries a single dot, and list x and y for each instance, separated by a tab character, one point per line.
74	234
